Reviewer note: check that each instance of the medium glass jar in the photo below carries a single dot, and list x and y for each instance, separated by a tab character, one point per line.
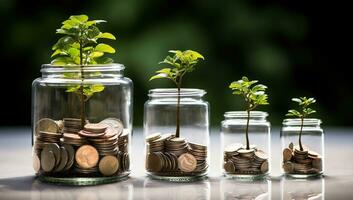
242	161
305	160
168	157
81	124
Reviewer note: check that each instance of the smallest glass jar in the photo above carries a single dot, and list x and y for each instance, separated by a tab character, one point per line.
244	161
302	148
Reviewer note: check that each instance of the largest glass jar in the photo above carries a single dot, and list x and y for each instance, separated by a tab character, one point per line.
172	157
81	124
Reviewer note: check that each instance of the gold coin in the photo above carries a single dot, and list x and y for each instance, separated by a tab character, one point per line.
287	154
87	156
108	165
187	162
47	125
36	162
95	128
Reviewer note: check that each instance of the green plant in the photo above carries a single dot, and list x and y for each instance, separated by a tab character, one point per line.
181	62
79	47
304	103
254	95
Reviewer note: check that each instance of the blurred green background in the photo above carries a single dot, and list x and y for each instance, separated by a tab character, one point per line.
290	46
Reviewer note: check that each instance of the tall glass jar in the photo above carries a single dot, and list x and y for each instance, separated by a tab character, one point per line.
305	160
168	157
81	124
240	161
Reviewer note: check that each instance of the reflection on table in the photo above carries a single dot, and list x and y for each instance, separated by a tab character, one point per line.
155	189
300	189
236	190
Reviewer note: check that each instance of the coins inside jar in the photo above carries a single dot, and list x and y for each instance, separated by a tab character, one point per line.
169	155
72	150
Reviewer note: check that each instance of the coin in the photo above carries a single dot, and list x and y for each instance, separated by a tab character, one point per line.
291	146
47	160
36	162
95	128
187	162
154	162
114	123
86	156
70	154
55	149
91	134
261	155
108	165
287	154
264	167
229	167
233	147
317	163
47	125
63	160
152	137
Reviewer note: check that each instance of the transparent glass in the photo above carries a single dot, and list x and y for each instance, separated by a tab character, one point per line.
308	161
313	188
230	189
183	158
81	139
239	162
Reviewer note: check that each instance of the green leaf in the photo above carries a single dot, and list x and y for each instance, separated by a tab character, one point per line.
73	88
96	54
104	60
105	48
73	52
158	76
62	61
97	88
79	18
106	36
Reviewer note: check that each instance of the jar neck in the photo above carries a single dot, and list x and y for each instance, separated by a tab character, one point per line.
243	115
85	72
307	122
171	93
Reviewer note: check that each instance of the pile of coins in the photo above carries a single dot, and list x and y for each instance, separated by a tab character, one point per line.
301	161
240	160
169	155
62	148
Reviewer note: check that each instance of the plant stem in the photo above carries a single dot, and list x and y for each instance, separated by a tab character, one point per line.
247	130
177	131
300	134
82	97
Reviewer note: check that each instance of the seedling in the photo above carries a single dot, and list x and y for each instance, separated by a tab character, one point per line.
304	103
253	94
181	63
79	47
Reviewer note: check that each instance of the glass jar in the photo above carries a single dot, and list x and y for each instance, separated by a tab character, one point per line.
81	124
305	160
168	157
242	161
313	188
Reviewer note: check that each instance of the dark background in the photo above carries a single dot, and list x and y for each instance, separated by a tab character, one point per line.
296	48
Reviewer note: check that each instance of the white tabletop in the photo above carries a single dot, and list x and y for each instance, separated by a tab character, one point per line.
18	182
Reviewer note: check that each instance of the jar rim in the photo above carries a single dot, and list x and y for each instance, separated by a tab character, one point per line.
297	121
241	114
171	92
111	67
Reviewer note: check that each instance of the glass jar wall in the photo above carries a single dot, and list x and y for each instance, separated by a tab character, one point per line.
169	156
240	160
82	124
302	148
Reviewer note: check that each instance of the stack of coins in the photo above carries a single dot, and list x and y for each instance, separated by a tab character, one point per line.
200	153
98	149
176	146
72	125
168	155
54	158
239	160
301	161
